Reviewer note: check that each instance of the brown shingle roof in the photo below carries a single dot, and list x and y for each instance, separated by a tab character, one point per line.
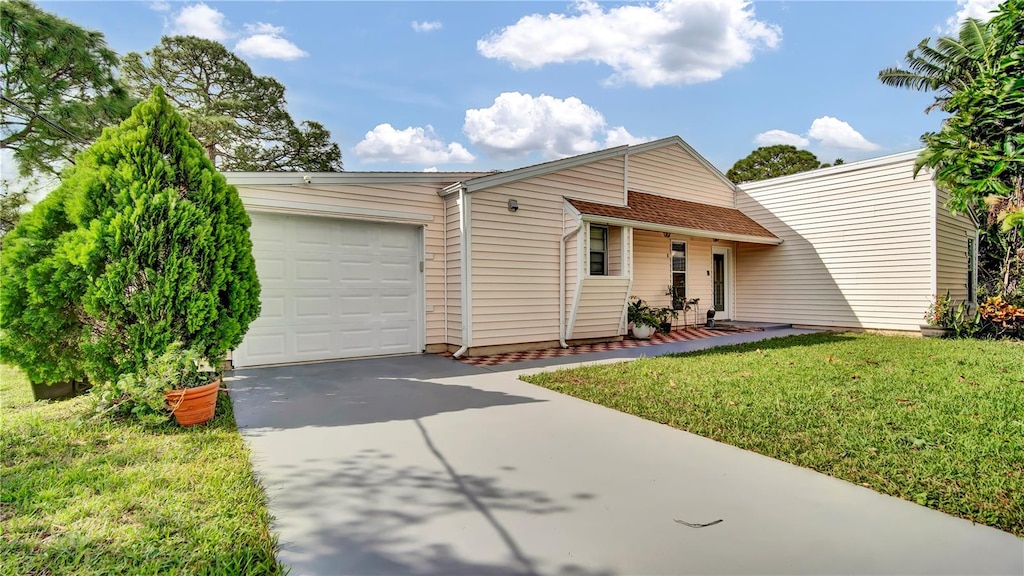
655	209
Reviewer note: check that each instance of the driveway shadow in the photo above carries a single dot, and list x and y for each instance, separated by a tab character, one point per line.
356	392
369	514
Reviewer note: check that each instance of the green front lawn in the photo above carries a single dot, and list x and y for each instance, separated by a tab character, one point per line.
938	422
79	496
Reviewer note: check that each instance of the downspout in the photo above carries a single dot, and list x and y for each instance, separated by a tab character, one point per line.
467	304
561	282
444	226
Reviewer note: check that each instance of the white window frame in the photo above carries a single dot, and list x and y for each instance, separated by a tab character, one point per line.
590	246
672	266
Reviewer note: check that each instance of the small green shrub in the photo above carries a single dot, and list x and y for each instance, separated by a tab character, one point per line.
141	393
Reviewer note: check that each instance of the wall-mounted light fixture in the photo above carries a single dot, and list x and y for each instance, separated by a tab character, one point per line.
512	205
714	239
667	234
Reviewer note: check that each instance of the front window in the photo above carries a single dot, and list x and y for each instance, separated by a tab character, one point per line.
679	275
598	250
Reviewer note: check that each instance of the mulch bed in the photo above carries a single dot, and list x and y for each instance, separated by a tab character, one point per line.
697	333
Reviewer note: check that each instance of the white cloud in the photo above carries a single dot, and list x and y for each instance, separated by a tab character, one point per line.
980	9
517	124
265	41
413	145
200	20
667	42
160	6
426	26
775	137
431	169
259	39
834	133
619	136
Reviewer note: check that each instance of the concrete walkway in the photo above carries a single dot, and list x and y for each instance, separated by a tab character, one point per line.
423	465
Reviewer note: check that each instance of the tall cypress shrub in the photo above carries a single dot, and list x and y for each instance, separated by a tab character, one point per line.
167	251
158	244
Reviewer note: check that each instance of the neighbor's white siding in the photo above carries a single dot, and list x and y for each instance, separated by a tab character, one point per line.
671	171
857	251
515	254
420	199
951	234
601	302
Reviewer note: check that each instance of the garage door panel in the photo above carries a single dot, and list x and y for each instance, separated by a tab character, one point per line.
333	289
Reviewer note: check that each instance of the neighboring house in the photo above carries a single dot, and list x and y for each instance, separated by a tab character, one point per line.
372	263
866	245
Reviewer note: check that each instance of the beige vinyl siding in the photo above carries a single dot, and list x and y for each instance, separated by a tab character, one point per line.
572	244
601	303
652	272
419	199
651	267
453	247
671	171
857	248
951	235
698	268
515	254
614	251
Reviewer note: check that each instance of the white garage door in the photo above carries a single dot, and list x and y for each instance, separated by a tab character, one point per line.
332	289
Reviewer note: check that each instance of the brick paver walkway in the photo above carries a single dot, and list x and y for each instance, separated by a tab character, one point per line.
674	336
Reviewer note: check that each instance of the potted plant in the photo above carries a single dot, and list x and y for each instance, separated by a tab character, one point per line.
939	317
642	319
172	383
665	317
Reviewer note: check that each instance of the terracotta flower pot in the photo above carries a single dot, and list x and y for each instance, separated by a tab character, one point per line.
194	405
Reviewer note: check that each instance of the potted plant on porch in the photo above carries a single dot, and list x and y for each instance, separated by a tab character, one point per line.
642	319
665	317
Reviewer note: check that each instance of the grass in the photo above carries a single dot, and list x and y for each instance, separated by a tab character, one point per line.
937	422
81	496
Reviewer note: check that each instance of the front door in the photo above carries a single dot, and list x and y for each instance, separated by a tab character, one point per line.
720	282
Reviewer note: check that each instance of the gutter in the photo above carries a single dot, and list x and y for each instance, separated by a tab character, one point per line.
561	283
467	258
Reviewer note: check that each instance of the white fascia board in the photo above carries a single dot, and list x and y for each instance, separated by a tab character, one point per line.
683	231
311	209
655	144
314	178
900	157
499	178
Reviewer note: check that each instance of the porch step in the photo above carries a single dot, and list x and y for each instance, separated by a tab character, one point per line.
741	325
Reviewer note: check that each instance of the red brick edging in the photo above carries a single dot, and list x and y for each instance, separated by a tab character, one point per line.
697	333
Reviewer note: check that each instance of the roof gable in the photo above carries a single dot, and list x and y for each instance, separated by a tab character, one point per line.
499	178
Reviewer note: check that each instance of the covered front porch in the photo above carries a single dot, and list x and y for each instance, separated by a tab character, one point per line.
670	253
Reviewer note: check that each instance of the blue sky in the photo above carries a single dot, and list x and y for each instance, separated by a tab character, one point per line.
495	85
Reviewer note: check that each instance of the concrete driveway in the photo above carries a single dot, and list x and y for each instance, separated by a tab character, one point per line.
423	465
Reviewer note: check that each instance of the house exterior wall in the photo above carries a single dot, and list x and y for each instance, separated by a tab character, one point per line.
600	307
515	255
453	271
671	171
652	273
380	203
857	251
951	235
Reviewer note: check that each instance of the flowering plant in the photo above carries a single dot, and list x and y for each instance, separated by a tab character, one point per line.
940	312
